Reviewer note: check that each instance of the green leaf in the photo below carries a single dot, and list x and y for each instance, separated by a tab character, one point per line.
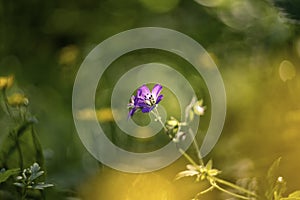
9	144
8	173
22	185
272	172
41	186
272	176
38	148
295	194
36	175
34	168
209	165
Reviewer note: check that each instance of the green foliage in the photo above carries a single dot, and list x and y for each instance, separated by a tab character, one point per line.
293	196
29	177
5	174
20	146
277	185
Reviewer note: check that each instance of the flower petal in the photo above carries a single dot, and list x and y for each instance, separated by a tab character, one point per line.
131	112
147	109
142	91
159	98
156	90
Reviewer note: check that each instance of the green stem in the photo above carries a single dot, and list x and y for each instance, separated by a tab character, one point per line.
230	193
196	147
6	103
157	116
24	193
20	153
38	147
234	186
205	191
188	158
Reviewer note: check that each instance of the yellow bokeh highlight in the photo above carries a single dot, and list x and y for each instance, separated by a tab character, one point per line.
287	70
102	115
114	185
68	55
6	82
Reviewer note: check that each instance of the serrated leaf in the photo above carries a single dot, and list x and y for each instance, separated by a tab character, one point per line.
8	173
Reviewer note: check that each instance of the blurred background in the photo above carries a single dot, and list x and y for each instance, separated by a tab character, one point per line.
255	44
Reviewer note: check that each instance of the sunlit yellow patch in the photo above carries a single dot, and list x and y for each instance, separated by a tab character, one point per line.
115	185
102	115
105	115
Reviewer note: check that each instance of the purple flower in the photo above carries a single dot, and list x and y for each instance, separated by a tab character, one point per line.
133	105
145	100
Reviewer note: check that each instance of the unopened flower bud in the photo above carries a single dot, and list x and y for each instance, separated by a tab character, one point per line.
198	108
172	124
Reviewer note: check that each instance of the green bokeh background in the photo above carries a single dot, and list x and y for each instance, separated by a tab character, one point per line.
255	45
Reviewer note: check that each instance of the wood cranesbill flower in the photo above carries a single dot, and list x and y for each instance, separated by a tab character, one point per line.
145	100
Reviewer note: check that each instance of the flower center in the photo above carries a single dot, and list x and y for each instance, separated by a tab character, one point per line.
149	99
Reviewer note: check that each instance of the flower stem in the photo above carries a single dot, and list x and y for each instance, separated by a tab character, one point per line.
19	152
188	157
234	186
196	147
24	193
6	103
158	117
205	191
156	114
